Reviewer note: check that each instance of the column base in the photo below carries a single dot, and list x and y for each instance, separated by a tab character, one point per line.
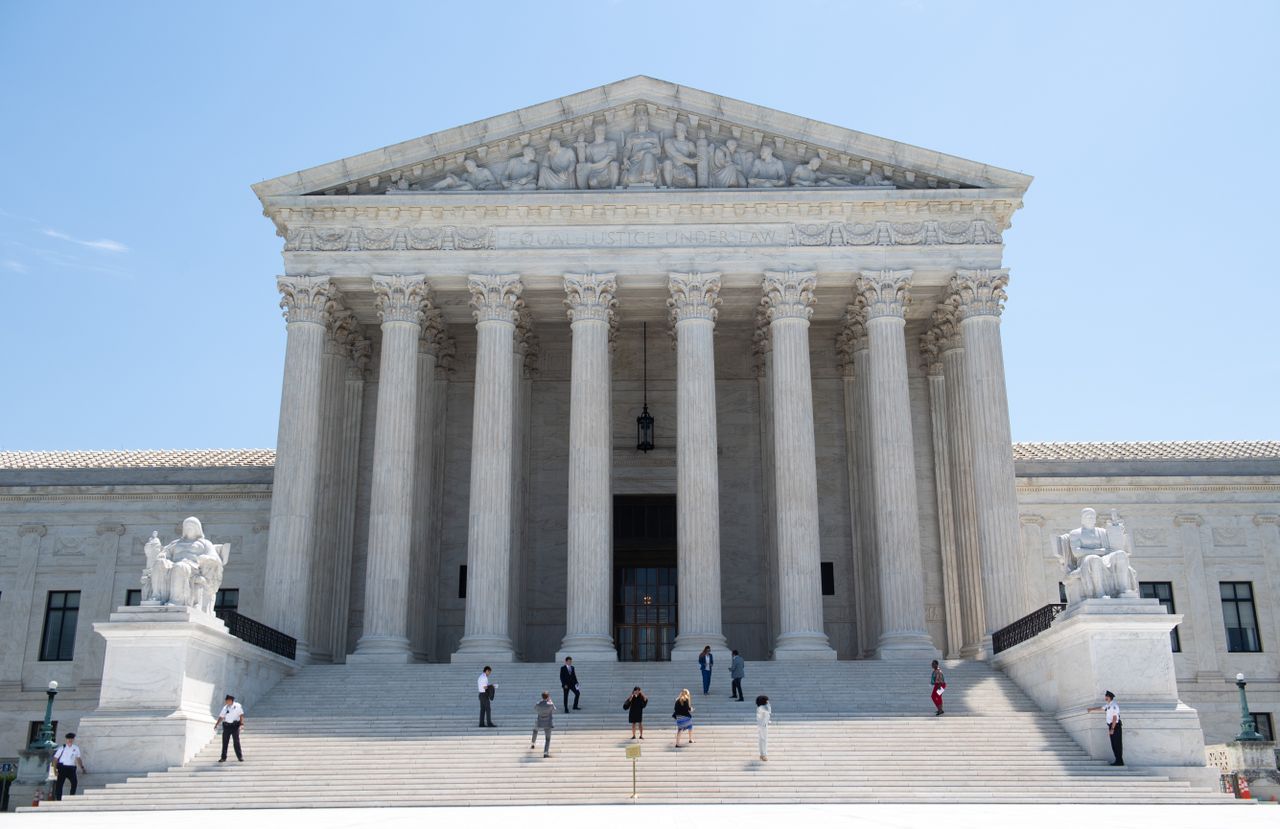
803	645
688	645
906	645
387	650
587	647
482	649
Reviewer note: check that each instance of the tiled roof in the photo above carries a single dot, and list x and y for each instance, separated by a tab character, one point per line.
147	459
1183	450
1172	450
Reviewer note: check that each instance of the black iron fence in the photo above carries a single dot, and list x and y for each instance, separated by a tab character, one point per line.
256	633
1032	624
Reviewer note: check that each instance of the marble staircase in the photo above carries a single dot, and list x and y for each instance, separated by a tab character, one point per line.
345	736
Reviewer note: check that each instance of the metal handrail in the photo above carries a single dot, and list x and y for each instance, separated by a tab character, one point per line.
1027	627
256	633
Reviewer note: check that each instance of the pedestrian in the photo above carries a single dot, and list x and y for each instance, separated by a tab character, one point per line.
232	718
545	709
569	682
737	670
683	716
67	758
1114	729
705	661
764	715
487	690
939	683
634	706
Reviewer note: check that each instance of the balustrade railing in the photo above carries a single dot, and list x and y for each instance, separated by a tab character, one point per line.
256	633
1028	626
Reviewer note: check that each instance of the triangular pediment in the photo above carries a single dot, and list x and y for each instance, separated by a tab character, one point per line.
594	141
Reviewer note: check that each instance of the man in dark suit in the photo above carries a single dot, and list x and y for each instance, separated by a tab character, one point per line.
569	682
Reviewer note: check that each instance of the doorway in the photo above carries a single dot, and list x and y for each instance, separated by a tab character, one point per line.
645	615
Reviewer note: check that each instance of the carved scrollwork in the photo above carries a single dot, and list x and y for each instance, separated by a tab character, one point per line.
883	293
694	295
789	294
979	292
305	298
589	296
496	297
401	298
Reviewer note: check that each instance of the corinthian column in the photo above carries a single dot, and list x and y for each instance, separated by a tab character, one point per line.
591	307
402	302
694	297
422	566
286	597
883	295
788	304
931	354
964	509
495	301
359	352
978	297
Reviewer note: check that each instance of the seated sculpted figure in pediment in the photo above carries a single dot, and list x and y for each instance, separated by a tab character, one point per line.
1094	561
598	161
557	171
186	572
640	154
767	171
811	175
728	166
522	171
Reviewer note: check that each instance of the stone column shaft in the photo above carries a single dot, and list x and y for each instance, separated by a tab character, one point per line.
486	636
345	508
788	297
1204	613
763	348
863	642
902	614
942	485
590	552
870	595
979	296
694	297
286	598
401	303
422	567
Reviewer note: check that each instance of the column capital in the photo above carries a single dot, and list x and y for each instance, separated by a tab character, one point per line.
305	298
496	296
360	352
525	342
589	296
883	293
789	294
401	298
340	327
761	341
946	327
931	352
979	292
433	333
694	295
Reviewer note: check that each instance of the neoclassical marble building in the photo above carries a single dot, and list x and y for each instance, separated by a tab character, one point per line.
475	321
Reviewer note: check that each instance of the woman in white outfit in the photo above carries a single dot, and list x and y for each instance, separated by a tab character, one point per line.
764	712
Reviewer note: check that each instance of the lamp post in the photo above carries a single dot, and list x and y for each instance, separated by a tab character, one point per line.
1248	733
45	739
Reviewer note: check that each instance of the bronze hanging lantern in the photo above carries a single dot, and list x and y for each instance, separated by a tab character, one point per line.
644	423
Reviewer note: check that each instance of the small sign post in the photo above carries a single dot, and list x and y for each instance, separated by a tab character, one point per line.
633	754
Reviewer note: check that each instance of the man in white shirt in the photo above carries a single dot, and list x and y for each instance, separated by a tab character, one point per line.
67	758
1114	730
486	690
232	718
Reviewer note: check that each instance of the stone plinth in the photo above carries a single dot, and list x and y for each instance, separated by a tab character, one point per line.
1118	645
167	669
32	778
1256	760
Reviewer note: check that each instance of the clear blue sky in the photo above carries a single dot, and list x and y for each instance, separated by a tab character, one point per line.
139	307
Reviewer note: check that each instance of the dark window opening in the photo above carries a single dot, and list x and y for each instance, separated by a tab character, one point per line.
828	578
1163	592
1262	725
462	581
58	642
1240	617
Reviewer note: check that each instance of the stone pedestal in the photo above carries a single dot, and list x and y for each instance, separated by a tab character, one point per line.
1257	761
32	778
167	670
1122	646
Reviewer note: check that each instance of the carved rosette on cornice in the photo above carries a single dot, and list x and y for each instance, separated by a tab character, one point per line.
979	292
495	297
931	353
947	327
694	295
589	296
433	333
401	298
789	294
305	298
1187	519
883	293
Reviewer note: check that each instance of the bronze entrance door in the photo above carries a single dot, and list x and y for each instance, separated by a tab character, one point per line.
644	581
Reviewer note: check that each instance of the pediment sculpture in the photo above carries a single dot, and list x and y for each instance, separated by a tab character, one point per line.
1095	560
643	156
186	572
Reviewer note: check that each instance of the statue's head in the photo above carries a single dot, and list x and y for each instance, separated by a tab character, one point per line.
598	130
766	151
731	144
815	163
681	129
528	152
1088	517
191	529
470	164
642	121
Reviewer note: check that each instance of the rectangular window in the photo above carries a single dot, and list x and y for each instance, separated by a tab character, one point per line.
462	581
1262	724
227	599
1163	591
1239	616
828	578
1062	593
132	598
33	731
58	644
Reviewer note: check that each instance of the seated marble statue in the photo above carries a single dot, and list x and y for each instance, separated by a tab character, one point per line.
598	161
522	171
680	168
726	169
640	154
474	177
767	171
186	572
1095	564
810	175
557	171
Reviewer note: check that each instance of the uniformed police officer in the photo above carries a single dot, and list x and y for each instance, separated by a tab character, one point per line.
1114	729
67	758
232	718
